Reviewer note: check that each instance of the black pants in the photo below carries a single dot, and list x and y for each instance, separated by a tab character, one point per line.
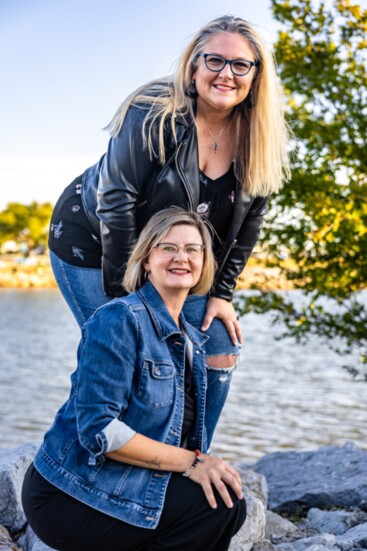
187	521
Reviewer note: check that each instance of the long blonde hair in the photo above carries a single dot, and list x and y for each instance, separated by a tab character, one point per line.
261	133
155	230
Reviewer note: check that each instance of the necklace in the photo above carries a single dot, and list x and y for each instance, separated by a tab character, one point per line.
215	144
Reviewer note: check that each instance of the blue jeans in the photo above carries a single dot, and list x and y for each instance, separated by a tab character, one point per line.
82	288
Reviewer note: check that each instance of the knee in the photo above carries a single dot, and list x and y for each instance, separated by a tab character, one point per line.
234	517
240	513
222	361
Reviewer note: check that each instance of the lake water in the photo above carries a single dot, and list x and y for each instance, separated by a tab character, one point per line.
283	395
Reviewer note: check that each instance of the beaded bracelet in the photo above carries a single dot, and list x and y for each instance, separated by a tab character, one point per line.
197	460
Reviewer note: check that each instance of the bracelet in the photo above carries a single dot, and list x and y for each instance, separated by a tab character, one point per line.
197	460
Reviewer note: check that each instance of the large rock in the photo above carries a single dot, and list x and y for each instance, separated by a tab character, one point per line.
328	477
322	540
264	545
6	543
253	529
253	483
334	522
315	543
13	465
30	542
357	535
277	527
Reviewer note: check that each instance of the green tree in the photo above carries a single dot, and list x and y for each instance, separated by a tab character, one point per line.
25	223
319	220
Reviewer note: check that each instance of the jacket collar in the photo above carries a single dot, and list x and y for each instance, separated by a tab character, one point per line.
184	120
162	319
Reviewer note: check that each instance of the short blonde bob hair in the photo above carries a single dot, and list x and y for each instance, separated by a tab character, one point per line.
155	230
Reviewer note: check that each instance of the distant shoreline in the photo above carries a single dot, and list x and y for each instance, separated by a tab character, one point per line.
36	273
30	273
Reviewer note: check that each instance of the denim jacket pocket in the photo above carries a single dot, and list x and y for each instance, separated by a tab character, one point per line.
156	385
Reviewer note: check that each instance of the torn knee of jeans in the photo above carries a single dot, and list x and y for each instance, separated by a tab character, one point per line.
222	361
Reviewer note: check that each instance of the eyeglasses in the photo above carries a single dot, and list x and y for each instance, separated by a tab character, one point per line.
239	67
168	250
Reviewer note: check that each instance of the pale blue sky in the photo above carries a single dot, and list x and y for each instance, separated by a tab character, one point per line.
66	65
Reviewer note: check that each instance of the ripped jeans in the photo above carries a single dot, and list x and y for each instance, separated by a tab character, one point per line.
82	289
219	351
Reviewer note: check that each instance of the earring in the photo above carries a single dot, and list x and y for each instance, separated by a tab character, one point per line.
146	275
191	91
250	100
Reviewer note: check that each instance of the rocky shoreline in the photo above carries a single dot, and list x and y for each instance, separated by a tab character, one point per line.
32	273
296	501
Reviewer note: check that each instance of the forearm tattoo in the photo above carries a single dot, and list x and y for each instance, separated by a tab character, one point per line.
154	462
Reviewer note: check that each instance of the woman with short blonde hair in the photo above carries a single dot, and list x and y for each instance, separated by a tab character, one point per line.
125	464
153	233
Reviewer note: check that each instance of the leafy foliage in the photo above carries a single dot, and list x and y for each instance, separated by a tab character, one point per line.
319	220
25	223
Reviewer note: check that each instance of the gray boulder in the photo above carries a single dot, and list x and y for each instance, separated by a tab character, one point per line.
13	465
253	483
334	522
253	529
6	543
320	547
357	535
319	542
277	527
264	545
328	477
30	542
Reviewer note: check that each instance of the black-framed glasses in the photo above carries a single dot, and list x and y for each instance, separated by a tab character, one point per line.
192	250
239	67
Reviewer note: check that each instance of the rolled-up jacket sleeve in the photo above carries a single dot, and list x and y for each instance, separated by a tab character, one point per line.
106	365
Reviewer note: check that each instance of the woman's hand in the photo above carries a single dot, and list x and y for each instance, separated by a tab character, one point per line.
223	310
216	472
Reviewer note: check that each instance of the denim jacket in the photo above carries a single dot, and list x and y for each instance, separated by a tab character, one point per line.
130	378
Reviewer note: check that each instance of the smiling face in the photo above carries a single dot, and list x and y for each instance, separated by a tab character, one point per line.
222	91
178	273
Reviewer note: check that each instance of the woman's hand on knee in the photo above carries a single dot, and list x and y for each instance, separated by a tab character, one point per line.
223	310
213	472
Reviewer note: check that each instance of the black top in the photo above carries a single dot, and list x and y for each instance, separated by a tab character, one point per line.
73	239
217	199
189	404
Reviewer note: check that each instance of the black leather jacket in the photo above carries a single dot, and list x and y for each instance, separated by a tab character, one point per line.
125	188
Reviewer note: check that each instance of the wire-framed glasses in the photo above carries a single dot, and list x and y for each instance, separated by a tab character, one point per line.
192	250
239	67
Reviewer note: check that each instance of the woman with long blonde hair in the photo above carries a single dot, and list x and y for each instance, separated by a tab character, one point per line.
210	138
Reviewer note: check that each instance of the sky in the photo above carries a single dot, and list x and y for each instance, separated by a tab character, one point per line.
65	67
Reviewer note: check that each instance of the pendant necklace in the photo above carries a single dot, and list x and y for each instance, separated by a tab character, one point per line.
215	144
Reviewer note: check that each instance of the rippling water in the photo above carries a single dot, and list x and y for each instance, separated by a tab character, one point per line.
283	395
